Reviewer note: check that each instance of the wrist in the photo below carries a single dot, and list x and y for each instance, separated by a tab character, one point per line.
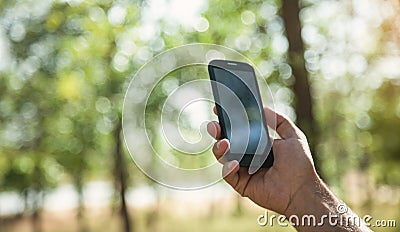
307	199
314	198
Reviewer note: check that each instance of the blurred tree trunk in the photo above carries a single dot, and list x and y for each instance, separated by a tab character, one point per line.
81	208
301	87
120	178
37	201
152	217
25	194
36	224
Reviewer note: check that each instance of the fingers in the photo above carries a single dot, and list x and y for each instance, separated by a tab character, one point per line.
214	129
215	110
285	128
230	172
220	148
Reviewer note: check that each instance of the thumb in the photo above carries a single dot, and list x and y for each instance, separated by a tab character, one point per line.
285	128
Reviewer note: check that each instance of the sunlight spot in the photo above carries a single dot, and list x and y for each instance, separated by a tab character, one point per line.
279	44
103	105
243	43
120	62
96	14
266	68
214	54
68	86
357	64
157	44
267	10
201	24
248	17
17	32
363	121
169	85
116	15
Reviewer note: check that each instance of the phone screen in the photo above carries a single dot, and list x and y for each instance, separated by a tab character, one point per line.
243	84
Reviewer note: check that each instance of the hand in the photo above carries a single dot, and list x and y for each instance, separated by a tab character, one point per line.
291	186
276	187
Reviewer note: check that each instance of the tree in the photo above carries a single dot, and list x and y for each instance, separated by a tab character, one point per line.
73	89
301	86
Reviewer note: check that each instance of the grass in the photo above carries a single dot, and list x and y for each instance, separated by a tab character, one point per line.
221	219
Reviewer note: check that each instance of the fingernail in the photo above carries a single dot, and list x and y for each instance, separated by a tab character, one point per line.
211	129
232	165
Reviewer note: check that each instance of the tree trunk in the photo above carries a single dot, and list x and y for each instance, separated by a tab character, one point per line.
301	86
36	224
120	178
25	194
81	208
153	216
37	201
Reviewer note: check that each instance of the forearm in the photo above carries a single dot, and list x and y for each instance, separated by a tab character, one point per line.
317	208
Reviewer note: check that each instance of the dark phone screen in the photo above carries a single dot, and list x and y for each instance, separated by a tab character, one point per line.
238	125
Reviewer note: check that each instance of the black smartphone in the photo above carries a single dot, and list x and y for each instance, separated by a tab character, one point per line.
240	113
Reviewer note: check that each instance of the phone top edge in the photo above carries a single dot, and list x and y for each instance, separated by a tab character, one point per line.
230	65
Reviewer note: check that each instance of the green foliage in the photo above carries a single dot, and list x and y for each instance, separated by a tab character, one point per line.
384	133
62	96
61	88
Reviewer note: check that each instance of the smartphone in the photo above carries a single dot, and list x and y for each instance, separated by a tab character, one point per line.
240	113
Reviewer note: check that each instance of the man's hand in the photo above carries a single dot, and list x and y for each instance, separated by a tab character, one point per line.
291	186
272	188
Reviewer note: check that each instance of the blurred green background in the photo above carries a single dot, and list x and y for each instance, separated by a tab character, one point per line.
332	66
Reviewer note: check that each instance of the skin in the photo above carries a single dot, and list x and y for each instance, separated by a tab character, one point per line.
291	186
